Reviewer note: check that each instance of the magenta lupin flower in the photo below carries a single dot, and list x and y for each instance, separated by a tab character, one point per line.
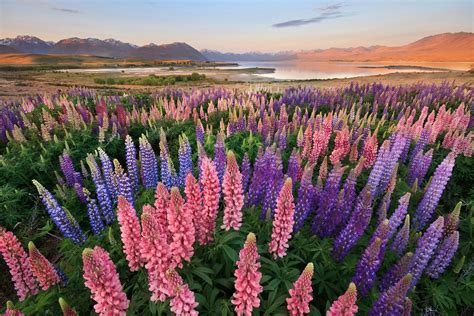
130	233
301	293
42	269
155	252
210	192
283	222
102	279
233	194
345	305
183	302
12	310
194	203
247	278
181	227
18	264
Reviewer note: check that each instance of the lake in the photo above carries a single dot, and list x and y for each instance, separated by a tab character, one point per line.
299	70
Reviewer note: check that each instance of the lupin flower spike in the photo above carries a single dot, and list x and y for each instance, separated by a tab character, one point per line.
301	293
130	232
210	192
42	269
345	305
233	194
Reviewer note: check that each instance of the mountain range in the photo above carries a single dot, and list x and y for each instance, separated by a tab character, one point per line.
440	47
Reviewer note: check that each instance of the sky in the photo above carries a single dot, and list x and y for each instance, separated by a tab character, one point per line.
239	26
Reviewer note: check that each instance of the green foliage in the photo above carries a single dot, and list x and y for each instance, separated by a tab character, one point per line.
151	80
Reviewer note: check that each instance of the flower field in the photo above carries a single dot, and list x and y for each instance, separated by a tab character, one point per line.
343	201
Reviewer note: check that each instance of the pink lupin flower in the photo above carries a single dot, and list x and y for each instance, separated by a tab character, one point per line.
155	252
247	278
183	302
194	203
233	194
18	263
102	279
42	269
345	305
130	233
66	309
210	192
162	203
301	293
370	150
180	224
283	222
323	169
341	146
11	310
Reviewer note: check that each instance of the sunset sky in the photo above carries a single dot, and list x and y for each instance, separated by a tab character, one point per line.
245	25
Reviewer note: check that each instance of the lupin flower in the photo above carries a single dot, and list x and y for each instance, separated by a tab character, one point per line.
370	151
60	216
392	301
180	225
18	264
194	204
323	169
345	305
294	166
183	302
356	226
247	278
67	167
401	239
124	186
131	159
246	172
155	252
301	293
199	132
349	195
185	160
283	222
130	233
368	266
148	163
162	202
233	194
108	172
399	214
443	256
103	196
42	269
12	310
166	168
66	309
379	166
451	220
425	248
418	167
305	198
102	279
210	192
407	305
219	156
433	193
93	213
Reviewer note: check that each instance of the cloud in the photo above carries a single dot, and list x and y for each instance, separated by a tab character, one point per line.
328	12
73	11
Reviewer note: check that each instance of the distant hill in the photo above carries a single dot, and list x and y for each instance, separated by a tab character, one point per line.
249	56
174	51
103	48
441	47
4	49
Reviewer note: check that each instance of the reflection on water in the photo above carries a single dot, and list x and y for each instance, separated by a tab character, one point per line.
302	70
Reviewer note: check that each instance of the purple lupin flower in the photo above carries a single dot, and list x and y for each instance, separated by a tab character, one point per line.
349	195
366	269
95	219
108	172
305	198
185	160
392	301
407	305
433	193
61	217
67	167
282	139
220	156
396	272
419	167
401	239
327	218
394	156
274	183
421	143
379	166
148	164
451	220
356	226
124	186
257	186
294	165
80	193
385	203
444	255
166	176
246	172
399	214
199	132
425	248
131	159
103	197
